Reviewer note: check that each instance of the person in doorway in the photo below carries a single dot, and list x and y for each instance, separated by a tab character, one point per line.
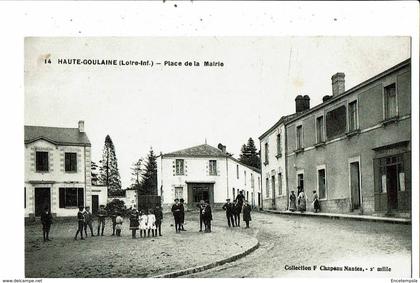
207	217
118	224
176	212
302	201
143	224
88	221
292	203
151	223
181	201
46	220
201	206
81	223
315	202
246	213
101	219
228	207
114	215
159	217
134	223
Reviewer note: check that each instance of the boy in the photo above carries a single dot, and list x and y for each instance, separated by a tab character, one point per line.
101	218
88	221
46	220
81	223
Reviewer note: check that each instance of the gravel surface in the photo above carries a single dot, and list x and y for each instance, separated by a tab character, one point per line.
111	256
308	241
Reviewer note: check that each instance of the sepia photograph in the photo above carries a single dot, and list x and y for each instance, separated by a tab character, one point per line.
218	156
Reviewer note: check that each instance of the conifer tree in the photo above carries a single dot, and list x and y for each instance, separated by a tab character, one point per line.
249	154
149	175
108	171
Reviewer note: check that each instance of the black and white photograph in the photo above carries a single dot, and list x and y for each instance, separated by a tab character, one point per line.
198	140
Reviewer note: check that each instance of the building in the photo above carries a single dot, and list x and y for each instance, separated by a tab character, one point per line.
57	170
99	197
205	172
354	149
129	198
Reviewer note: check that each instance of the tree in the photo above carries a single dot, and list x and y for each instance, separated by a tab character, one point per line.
108	171
94	173
149	175
137	172
249	155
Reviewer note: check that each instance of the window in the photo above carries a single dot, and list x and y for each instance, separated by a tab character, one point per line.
278	144
71	197
41	161
320	129
300	182
179	166
245	178
179	192
299	137
252	181
213	167
392	174
336	123
237	171
266	153
280	184
353	116
70	162
321	184
267	188
390	97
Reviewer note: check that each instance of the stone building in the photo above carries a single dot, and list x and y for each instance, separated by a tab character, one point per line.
57	170
208	173
353	149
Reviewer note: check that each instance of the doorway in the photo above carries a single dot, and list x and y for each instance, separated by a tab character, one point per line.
200	191
95	204
392	186
42	199
273	189
355	185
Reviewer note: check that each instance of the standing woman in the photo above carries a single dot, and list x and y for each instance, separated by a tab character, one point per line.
134	223
315	202
292	204
246	213
302	201
46	220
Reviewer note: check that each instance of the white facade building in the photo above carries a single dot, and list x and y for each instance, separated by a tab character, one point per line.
205	172
57	170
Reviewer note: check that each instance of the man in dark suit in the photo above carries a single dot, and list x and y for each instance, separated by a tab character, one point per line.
181	202
159	217
176	211
81	223
46	220
207	217
201	207
228	206
239	203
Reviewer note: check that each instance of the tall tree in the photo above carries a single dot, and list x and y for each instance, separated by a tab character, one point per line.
149	175
249	154
137	174
108	171
94	172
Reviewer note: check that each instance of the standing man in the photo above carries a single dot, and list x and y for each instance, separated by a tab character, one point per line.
182	214
88	221
229	212
101	218
176	211
46	220
240	202
201	206
207	217
159	217
246	213
236	213
114	221
81	223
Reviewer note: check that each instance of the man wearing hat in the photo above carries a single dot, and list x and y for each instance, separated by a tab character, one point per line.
200	206
176	211
228	206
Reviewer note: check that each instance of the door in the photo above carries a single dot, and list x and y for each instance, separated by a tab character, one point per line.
300	183
355	185
42	199
259	200
273	189
392	186
95	204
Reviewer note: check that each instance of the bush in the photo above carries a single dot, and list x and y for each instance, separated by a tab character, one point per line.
116	205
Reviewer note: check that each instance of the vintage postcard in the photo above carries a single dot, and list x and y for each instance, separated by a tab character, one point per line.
223	156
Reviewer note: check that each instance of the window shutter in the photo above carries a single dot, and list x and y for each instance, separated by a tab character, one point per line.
62	198
80	197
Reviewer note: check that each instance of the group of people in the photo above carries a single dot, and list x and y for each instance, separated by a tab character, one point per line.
178	211
234	209
301	201
146	222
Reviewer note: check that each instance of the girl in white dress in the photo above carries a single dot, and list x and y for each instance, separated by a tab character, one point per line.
151	219
142	223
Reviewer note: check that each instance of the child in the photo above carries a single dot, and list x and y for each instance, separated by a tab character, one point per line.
88	221
114	223
151	219
118	224
143	224
46	220
159	217
81	223
134	223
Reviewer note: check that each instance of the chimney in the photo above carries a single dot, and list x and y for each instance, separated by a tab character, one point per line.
326	98
338	84
81	126
302	103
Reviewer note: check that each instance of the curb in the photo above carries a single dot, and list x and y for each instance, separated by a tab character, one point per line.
210	265
345	217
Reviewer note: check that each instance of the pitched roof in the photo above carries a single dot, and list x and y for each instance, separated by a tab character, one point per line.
55	135
203	150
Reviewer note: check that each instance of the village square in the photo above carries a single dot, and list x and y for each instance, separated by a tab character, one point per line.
324	190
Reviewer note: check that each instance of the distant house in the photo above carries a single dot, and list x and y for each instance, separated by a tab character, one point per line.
204	172
57	170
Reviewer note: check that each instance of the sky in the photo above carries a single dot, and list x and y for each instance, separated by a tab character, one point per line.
174	107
